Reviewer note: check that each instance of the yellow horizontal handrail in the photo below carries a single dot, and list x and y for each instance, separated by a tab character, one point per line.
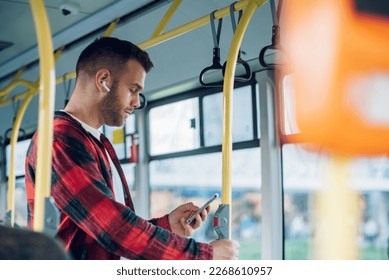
111	28
17	82
20	82
28	84
156	40
165	20
192	25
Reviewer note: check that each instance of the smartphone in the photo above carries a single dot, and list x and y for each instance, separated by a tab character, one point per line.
192	217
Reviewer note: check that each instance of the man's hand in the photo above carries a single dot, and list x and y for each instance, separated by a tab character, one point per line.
177	219
225	249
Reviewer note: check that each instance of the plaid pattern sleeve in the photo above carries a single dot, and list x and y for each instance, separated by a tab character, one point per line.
93	225
162	222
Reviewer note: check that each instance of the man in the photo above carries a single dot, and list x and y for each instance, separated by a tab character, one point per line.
95	222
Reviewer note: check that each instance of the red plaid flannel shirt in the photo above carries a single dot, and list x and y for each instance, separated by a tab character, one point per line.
93	225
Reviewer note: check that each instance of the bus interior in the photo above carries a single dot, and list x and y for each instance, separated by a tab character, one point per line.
308	180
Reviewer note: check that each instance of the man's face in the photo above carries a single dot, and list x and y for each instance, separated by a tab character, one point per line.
124	95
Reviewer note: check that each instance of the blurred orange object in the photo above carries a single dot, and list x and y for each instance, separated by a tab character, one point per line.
338	57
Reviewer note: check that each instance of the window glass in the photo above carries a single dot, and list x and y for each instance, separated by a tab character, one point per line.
174	127
370	177
305	173
290	125
20	203
117	138
129	172
196	178
302	177
130	124
258	111
20	156
242	123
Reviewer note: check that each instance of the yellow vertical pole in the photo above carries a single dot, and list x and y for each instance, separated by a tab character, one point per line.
337	214
14	138
46	109
228	88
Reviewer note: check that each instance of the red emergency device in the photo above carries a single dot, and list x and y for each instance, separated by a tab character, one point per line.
134	158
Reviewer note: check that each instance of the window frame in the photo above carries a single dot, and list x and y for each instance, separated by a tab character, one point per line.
200	93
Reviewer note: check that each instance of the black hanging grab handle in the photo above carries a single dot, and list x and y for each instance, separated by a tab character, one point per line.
244	78
21	130
273	46
275	39
216	53
143	101
22	133
247	76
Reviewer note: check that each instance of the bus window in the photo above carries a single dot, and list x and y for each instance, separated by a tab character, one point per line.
305	173
302	178
129	172
195	178
370	176
20	155
20	190
120	137
288	97
20	203
242	117
117	137
174	127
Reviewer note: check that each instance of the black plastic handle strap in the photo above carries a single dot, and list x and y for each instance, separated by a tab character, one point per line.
15	106
273	46
216	35
233	21
216	52
8	134
247	76
275	36
274	11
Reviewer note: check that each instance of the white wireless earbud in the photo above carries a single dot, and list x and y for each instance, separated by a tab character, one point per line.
105	86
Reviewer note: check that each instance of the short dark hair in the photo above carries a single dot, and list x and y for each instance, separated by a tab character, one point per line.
110	53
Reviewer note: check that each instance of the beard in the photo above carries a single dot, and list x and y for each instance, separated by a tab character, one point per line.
111	107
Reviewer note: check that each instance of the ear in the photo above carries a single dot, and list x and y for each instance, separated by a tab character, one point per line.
102	75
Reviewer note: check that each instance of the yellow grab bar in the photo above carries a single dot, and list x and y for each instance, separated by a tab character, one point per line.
46	111
338	214
228	88
192	25
156	40
13	141
111	28
29	85
165	20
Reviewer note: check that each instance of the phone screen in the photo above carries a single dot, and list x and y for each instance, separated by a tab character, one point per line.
192	217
